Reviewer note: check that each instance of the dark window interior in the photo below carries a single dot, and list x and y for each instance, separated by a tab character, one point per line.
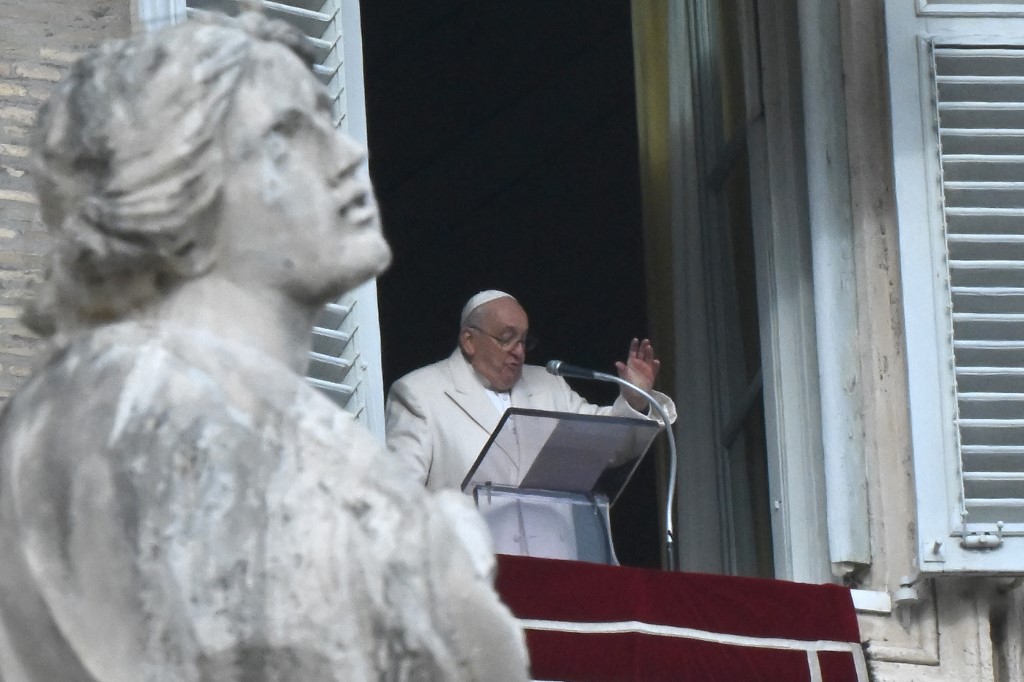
503	147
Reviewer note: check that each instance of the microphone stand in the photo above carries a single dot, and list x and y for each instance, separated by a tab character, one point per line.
670	497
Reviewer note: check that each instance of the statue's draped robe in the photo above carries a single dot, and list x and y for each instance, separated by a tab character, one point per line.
177	507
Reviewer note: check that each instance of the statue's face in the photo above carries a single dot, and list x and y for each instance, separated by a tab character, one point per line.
298	211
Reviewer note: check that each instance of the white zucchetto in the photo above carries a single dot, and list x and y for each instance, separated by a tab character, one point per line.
479	299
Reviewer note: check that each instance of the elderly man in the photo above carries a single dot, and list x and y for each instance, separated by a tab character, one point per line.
176	501
439	417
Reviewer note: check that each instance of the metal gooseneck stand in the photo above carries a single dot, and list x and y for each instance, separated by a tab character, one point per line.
669	538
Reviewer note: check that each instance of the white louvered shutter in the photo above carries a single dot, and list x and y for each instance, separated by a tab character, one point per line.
957	85
980	94
345	361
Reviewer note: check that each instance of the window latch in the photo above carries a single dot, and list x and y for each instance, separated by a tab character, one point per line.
983	540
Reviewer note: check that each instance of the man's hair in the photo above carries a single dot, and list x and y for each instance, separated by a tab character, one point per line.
128	165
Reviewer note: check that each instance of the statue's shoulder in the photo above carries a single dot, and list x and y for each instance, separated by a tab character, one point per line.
80	376
134	380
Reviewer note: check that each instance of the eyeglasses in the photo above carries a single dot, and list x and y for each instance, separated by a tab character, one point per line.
529	342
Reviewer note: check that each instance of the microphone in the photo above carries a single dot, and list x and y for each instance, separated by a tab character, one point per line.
562	369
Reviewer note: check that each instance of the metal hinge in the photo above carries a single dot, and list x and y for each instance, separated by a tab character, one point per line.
984	540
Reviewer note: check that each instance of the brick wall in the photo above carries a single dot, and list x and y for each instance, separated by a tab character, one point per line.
39	39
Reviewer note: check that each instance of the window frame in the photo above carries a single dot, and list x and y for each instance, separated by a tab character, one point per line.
785	302
969	8
150	15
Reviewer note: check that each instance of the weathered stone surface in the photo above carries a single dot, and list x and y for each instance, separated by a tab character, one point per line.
176	502
197	512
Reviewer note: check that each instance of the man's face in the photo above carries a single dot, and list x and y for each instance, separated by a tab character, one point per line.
297	211
502	321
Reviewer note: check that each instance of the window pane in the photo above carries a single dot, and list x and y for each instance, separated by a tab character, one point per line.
736	198
730	65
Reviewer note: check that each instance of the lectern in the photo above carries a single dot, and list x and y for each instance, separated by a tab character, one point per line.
544	481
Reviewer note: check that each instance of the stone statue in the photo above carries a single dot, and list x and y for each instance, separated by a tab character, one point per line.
176	502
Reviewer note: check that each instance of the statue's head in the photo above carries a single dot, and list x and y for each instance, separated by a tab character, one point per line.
206	147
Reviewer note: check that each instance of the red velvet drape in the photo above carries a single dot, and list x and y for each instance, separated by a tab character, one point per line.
595	623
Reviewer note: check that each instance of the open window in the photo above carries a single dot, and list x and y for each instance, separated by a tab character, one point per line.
752	489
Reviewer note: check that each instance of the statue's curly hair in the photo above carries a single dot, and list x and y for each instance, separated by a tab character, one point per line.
128	166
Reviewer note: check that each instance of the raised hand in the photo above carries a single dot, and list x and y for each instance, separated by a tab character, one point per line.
640	368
